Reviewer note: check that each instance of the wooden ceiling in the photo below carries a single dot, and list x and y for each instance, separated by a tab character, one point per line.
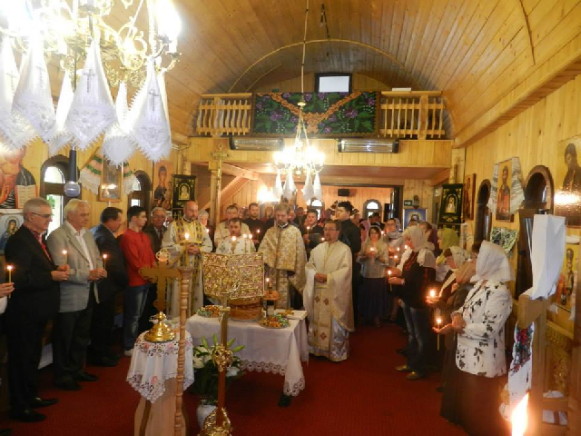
486	55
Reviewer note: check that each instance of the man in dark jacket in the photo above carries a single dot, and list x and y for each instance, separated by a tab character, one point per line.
100	352
34	302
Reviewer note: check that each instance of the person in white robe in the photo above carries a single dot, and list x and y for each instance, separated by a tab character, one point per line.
327	296
237	243
188	239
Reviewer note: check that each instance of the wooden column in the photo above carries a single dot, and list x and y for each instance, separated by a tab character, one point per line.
215	167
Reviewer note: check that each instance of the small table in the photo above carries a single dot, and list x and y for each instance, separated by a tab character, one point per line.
279	351
152	373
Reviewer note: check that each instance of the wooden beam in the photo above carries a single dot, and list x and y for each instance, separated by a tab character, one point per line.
232	170
441	177
228	191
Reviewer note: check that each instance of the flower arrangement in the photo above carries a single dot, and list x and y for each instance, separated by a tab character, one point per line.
206	372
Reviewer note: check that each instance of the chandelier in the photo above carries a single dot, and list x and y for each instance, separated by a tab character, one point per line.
300	157
78	38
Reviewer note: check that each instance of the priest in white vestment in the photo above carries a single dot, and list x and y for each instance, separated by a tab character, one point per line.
327	296
187	234
237	243
284	255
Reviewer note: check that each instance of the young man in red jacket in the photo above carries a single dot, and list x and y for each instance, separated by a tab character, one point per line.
136	247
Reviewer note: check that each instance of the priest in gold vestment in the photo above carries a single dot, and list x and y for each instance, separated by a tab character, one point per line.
187	233
327	296
284	255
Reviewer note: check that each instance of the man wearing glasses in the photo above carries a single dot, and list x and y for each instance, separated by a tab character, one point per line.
33	303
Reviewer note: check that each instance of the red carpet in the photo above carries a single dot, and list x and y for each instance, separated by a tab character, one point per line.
362	396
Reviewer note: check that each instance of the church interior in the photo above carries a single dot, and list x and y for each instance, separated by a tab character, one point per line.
463	114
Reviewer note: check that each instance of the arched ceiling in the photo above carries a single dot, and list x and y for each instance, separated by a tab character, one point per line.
476	51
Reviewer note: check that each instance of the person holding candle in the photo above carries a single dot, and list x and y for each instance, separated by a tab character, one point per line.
198	242
311	230
237	243
34	302
99	351
136	248
414	275
255	224
372	293
480	354
78	294
222	232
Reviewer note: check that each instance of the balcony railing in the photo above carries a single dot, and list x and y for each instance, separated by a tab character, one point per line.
402	114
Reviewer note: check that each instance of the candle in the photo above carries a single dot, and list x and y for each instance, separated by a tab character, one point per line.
438	324
389	277
432	293
185	255
187	236
322	239
105	256
519	418
9	268
233	238
257	231
65	252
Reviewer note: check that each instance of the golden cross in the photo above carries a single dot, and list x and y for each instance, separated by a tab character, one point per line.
160	275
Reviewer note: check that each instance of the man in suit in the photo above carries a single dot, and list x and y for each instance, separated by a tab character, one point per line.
100	353
71	244
35	301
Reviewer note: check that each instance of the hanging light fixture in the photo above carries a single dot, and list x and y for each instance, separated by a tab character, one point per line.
300	158
78	37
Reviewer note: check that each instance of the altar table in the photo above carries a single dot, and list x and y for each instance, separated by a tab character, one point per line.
279	351
152	373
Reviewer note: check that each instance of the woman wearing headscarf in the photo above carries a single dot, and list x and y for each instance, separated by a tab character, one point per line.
480	353
372	290
446	238
414	274
451	297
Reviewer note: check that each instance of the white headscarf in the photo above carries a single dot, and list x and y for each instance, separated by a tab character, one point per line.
492	264
421	246
459	255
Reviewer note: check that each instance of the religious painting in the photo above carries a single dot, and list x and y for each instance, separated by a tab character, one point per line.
184	189
568	278
568	182
504	237
10	222
451	204
162	176
468	199
111	182
502	211
417	215
17	184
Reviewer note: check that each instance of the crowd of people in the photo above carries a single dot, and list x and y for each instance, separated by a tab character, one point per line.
345	271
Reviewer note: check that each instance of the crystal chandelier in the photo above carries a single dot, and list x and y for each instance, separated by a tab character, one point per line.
77	37
300	158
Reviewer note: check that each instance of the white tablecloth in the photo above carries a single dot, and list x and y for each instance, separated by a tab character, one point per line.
154	363
279	351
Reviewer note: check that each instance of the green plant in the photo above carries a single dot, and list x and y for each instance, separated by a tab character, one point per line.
206	372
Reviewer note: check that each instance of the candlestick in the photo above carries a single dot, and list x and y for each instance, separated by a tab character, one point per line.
105	256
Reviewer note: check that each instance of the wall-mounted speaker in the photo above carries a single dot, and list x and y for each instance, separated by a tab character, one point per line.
343	192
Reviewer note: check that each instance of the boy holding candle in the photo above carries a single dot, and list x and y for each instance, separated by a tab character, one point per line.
237	243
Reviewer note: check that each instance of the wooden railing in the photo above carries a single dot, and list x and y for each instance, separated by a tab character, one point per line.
403	114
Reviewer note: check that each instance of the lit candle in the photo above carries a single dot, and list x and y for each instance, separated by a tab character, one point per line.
432	293
65	252
438	324
105	256
187	236
9	268
389	273
322	239
185	255
258	231
519	418
233	238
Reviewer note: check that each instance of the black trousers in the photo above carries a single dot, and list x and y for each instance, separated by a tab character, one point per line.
24	340
102	328
70	341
